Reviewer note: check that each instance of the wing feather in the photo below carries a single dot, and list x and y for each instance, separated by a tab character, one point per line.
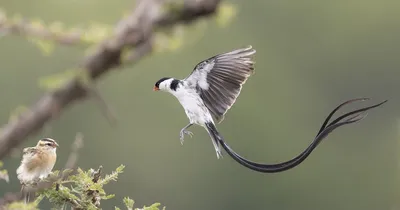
29	151
219	79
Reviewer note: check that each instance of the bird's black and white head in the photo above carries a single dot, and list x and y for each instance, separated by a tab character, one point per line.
167	84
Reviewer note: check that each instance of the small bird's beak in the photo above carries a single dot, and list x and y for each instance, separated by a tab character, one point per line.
156	88
55	143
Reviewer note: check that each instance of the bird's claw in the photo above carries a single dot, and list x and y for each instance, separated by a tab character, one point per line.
182	135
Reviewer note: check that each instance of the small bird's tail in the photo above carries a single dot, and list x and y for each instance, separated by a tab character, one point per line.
25	193
215	137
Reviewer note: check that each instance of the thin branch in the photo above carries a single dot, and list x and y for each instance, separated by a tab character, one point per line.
24	28
104	106
73	156
134	31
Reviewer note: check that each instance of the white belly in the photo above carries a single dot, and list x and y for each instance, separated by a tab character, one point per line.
194	107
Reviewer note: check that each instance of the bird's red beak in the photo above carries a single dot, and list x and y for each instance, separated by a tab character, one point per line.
156	88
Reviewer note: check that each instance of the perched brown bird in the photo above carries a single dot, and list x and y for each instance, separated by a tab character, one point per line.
37	162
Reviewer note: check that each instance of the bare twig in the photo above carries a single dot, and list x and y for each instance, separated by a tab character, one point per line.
73	156
104	106
134	31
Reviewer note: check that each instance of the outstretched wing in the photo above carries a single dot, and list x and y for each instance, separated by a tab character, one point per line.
219	79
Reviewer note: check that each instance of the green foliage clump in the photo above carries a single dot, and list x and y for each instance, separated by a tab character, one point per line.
129	205
78	189
83	190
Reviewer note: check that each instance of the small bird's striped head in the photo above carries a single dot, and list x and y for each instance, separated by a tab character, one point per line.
47	143
166	84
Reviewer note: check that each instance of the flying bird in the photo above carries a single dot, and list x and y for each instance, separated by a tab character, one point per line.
211	90
37	162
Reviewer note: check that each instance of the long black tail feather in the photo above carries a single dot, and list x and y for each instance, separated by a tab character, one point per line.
348	118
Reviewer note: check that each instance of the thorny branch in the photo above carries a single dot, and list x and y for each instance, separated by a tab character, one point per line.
94	194
135	31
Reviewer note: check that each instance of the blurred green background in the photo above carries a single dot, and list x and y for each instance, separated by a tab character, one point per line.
311	56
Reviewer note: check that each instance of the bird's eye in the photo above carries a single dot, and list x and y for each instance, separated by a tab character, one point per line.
48	144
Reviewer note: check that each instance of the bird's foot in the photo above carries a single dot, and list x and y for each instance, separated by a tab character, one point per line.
182	135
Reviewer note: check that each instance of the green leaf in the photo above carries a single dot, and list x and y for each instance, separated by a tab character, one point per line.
120	169
166	41
67	171
113	176
152	207
39	199
46	46
77	190
37	23
108	196
84	77
54	174
22	206
57	80
125	54
128	203
56	28
176	39
96	33
226	13
4	175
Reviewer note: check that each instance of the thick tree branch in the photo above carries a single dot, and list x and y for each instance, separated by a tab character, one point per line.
135	31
